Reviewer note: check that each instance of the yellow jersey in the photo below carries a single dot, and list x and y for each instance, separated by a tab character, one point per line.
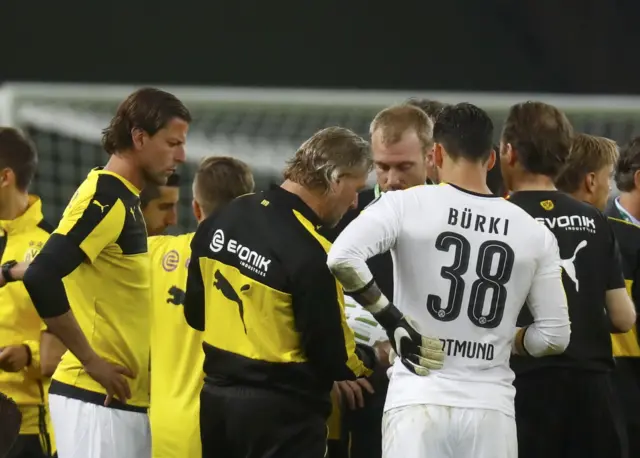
176	353
20	240
109	292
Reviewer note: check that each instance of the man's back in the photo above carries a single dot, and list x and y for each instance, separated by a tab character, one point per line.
590	268
463	269
109	293
176	352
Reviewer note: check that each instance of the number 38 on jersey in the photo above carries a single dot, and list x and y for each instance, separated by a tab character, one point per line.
493	268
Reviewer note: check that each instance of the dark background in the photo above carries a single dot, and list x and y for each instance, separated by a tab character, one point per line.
568	46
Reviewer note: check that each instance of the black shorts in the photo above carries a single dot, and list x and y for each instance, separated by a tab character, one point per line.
244	422
569	413
627	383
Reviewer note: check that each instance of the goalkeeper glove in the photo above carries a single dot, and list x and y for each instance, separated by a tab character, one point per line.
418	353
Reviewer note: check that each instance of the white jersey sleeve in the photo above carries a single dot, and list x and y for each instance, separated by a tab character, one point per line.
550	331
374	231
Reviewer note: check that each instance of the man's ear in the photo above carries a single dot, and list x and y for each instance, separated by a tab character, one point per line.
590	182
197	210
512	157
491	162
138	138
438	155
636	179
6	177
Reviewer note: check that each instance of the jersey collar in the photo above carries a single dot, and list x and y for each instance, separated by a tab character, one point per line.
377	192
282	196
27	220
628	217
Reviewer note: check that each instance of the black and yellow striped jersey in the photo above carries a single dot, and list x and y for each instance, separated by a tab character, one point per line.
109	292
20	240
271	311
628	237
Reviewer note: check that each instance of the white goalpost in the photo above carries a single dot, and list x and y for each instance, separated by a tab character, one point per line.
263	127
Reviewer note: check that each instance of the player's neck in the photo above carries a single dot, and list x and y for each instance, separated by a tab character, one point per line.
124	166
469	177
531	182
14	205
630	201
308	197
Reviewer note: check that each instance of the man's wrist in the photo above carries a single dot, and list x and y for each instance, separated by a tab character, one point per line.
6	270
29	355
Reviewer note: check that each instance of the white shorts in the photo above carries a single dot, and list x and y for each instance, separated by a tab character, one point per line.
85	430
431	431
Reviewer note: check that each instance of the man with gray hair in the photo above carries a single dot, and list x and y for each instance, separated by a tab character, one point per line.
271	312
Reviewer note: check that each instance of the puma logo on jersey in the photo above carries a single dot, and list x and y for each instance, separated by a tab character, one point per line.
222	284
568	265
102	207
133	213
176	296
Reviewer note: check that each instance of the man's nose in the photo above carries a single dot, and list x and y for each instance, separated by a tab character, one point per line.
394	178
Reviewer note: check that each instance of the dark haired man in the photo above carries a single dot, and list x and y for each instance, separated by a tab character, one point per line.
455	246
159	205
565	405
100	250
23	231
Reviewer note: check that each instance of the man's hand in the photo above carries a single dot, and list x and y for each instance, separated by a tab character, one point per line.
14	358
350	391
111	377
383	353
418	353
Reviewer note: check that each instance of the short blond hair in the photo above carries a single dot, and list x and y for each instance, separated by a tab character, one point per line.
589	154
326	156
219	180
393	122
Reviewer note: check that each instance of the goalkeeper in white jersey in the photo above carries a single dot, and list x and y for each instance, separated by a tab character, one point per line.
465	262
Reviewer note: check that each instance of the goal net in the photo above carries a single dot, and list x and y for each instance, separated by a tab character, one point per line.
263	127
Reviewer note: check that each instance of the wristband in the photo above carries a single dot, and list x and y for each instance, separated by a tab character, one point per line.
6	271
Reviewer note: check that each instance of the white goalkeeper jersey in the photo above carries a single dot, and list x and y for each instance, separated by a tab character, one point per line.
464	265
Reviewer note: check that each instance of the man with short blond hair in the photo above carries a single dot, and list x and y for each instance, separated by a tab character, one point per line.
587	175
401	141
176	349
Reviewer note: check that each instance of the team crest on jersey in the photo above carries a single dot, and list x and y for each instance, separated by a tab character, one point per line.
171	261
547	205
32	251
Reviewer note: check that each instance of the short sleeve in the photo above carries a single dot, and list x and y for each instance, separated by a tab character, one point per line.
92	220
615	277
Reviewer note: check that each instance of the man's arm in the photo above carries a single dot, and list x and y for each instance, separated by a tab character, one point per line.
620	308
373	232
376	231
51	351
194	307
319	317
84	231
550	331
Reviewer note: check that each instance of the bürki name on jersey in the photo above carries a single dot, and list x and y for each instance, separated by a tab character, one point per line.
466	219
249	258
468	349
571	223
